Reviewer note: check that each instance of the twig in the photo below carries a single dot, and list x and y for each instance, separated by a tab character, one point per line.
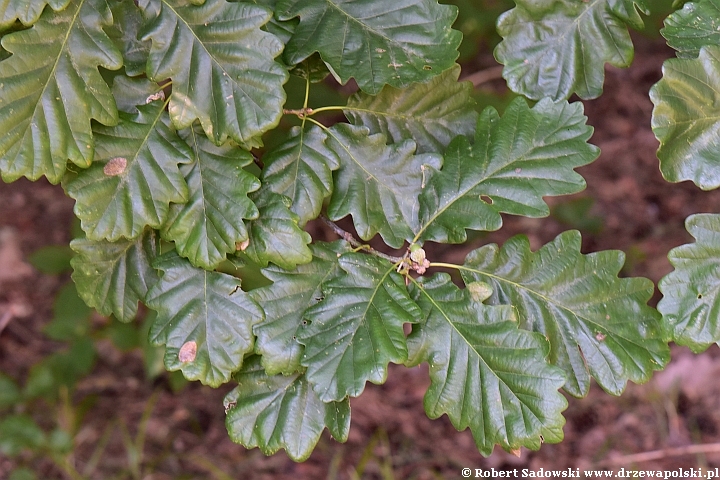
664	453
347	236
300	112
484	76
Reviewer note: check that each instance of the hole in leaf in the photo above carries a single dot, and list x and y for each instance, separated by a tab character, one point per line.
486	199
427	67
699	296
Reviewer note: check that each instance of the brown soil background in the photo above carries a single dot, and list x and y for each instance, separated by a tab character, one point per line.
391	437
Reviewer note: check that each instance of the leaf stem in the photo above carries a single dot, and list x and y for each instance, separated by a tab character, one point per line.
326	109
448	265
348	237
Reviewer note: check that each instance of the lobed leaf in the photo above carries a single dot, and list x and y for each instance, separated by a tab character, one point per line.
515	161
274	412
431	113
686	118
377	184
285	302
690	293
357	329
692	27
134	177
129	92
555	49
221	64
203	318
275	235
113	277
301	169
125	29
597	324
485	373
208	226
50	89
26	11
377	43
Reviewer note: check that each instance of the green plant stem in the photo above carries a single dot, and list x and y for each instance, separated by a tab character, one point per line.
347	236
448	265
326	109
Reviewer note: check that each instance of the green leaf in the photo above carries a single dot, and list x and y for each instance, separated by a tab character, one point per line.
130	92
377	184
71	316
221	65
377	43
274	412
485	373
515	161
275	235
690	293
20	432
301	169
281	29
686	119
62	369
9	391
692	27
285	302
431	113
204	320
134	177
50	89
114	276
555	49
208	226
52	259
597	324
358	328
127	20
27	11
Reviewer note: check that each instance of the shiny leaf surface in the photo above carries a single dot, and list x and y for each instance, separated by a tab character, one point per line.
597	324
686	119
358	327
515	161
431	113
210	224
691	299
377	43
301	169
555	49
285	302
377	184
113	277
134	177
274	412
485	373
203	318
221	64
50	89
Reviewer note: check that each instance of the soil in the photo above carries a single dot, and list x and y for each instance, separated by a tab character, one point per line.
391	437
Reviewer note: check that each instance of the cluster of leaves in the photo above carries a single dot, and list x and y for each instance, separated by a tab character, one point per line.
685	120
153	118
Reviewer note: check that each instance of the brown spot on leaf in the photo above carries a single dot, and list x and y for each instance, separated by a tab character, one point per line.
242	245
187	352
115	166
